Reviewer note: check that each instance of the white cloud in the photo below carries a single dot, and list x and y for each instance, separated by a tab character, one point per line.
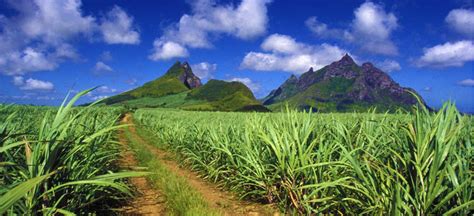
245	21
374	26
204	70
389	65
37	36
102	67
322	30
106	90
255	87
18	80
447	55
54	21
27	60
167	50
32	84
467	83
282	44
428	89
290	56
117	28
461	20
65	51
371	29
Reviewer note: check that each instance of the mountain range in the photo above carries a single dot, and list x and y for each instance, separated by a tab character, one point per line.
180	88
342	86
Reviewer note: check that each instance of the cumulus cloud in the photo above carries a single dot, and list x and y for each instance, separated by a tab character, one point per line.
18	80
447	55
282	44
163	50
37	36
462	21
102	67
255	87
322	30
117	28
54	21
371	29
27	60
466	83
32	84
245	21
375	25
286	54
204	70
389	65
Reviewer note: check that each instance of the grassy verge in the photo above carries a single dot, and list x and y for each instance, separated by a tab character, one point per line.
181	199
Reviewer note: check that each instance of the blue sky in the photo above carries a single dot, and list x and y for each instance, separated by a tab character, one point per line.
48	48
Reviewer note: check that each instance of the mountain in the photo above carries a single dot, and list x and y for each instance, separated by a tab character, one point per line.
179	78
180	88
342	86
225	96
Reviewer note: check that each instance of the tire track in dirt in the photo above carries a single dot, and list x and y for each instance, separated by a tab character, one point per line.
220	200
148	201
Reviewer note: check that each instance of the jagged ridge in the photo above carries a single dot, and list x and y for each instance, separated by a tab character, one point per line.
342	86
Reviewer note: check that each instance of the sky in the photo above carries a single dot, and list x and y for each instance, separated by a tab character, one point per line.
51	47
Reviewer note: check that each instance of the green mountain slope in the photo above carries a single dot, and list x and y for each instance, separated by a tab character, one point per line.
180	88
342	86
223	96
179	78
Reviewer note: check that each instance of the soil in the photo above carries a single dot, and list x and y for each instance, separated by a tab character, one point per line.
151	202
147	200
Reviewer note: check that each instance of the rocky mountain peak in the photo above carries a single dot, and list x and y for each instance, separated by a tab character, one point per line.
188	78
345	84
293	78
346	60
185	65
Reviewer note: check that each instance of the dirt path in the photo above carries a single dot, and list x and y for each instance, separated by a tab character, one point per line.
148	201
223	201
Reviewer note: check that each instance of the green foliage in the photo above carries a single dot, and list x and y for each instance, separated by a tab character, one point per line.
168	101
231	102
175	71
349	164
154	89
181	198
169	92
223	96
215	90
59	160
333	96
166	85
